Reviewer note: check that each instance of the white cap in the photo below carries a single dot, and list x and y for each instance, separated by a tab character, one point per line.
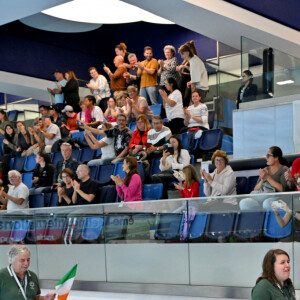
67	108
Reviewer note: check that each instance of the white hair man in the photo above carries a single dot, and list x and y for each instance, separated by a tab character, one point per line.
17	195
16	281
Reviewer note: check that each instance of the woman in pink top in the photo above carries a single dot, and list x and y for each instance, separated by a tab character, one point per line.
131	188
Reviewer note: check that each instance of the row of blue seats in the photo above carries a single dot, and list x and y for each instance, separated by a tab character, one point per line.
107	194
168	226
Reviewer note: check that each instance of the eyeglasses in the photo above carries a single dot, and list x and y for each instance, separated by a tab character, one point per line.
219	160
11	177
66	176
140	122
269	155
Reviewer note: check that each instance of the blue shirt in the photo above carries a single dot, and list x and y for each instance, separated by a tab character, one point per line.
59	98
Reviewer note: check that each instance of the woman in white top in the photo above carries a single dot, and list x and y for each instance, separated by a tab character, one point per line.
221	182
196	118
173	105
137	105
174	158
106	144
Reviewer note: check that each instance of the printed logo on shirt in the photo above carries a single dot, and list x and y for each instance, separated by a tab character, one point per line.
32	285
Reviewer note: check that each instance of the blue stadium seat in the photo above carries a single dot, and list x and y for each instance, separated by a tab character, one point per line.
30	163
104	173
18	164
132	126
219	225
201	188
98	153
227	144
12	115
152	191
92	227
76	153
242	185
154	168
19	230
252	180
11	163
27	179
53	199
211	140
1	146
271	227
211	119
118	170
198	226
184	140
57	156
87	154
108	194
80	135
156	109
36	201
168	226
249	224
93	172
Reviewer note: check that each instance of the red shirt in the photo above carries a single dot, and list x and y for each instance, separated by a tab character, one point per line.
136	138
72	123
190	192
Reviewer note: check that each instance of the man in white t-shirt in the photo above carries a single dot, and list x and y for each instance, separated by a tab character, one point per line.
96	112
18	193
51	134
199	77
99	88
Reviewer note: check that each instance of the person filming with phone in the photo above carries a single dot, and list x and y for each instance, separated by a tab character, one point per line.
175	158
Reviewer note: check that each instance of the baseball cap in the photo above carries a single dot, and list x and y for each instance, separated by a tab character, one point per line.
67	108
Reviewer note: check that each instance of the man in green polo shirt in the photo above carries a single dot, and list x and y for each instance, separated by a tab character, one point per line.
16	281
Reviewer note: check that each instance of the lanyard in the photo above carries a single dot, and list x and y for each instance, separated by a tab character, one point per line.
290	295
19	284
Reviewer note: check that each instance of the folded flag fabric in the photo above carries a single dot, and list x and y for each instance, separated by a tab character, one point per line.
64	286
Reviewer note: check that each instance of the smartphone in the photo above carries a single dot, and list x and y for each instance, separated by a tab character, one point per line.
104	65
79	123
169	149
277	204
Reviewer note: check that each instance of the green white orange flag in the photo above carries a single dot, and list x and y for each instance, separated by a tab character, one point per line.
64	286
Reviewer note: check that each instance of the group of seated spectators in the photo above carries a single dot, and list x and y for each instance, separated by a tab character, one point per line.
134	85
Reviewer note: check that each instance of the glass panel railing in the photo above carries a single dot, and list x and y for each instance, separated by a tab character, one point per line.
190	232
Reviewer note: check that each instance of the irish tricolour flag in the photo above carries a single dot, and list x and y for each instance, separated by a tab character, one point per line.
64	286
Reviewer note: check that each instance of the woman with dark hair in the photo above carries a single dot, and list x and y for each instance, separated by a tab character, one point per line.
71	91
23	138
66	191
42	174
174	158
248	91
173	105
167	67
120	50
131	188
271	180
111	112
196	119
275	282
3	121
10	141
185	76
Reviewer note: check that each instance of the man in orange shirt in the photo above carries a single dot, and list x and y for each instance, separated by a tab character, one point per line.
117	80
148	73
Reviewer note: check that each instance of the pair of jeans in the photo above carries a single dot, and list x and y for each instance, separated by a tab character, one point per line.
150	93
